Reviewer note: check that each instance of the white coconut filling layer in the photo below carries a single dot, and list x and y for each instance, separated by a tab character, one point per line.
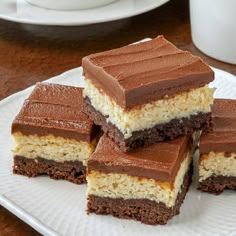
217	164
52	148
150	114
114	185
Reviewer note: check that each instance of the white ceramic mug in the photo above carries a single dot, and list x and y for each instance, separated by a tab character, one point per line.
69	4
213	26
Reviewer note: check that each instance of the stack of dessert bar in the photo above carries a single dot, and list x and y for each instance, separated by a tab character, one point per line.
148	98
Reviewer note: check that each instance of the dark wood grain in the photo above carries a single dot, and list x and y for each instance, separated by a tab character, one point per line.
29	54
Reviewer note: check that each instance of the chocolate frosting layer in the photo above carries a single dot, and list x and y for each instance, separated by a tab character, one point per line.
160	161
223	137
57	110
224	115
218	142
57	94
144	72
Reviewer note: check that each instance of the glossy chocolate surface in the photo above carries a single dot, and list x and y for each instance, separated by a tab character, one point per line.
145	72
159	161
57	110
223	137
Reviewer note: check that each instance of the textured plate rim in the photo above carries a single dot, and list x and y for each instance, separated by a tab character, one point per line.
17	210
150	7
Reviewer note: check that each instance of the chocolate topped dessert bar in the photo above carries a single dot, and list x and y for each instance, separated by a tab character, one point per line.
147	184
217	163
147	92
52	135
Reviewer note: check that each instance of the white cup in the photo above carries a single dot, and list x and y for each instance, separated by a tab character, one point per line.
69	4
213	26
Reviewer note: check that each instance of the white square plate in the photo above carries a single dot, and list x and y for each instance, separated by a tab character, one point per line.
59	207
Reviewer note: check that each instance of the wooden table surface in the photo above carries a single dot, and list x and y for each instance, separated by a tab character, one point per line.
34	53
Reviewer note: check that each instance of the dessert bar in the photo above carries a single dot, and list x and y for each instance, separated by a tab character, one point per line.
52	135
147	184
217	162
147	92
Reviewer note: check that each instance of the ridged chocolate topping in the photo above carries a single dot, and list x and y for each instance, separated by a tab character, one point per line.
159	161
57	110
223	137
144	72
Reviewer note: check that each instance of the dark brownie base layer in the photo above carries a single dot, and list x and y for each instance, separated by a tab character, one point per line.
216	185
168	131
73	171
144	210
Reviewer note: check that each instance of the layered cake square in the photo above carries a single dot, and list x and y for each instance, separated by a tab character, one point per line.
217	162
147	184
52	135
147	92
